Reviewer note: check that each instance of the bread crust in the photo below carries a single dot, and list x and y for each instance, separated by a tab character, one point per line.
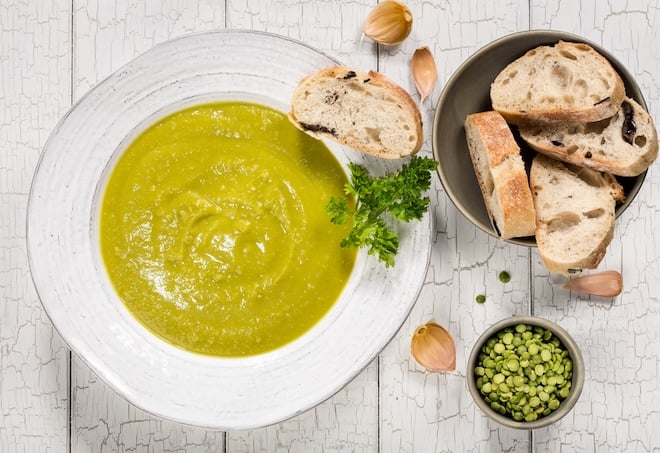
502	178
597	193
556	112
366	80
605	150
590	261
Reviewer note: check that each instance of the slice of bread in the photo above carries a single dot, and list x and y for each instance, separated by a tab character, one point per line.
361	109
624	144
564	83
501	174
575	209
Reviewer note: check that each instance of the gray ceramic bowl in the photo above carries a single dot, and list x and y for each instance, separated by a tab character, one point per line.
468	91
577	380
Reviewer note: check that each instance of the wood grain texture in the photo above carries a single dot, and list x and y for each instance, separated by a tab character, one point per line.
108	35
618	337
35	79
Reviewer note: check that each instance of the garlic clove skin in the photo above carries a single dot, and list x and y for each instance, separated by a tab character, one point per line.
424	71
433	348
389	23
604	284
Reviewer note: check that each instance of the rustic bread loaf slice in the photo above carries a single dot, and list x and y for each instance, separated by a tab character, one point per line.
501	174
564	83
624	144
361	109
575	209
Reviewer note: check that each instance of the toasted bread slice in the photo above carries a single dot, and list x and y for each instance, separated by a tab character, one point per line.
501	174
575	210
361	109
561	84
624	144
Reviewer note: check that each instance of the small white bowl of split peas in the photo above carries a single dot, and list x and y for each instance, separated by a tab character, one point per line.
525	372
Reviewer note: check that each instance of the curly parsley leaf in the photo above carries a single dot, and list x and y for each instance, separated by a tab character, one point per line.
396	194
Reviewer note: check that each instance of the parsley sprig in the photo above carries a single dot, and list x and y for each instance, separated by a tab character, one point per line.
398	194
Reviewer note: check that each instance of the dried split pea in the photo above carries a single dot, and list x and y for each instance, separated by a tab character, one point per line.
524	372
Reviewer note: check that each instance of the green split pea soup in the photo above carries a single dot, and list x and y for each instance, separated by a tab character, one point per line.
214	233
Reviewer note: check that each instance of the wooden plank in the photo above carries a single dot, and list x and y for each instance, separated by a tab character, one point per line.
349	420
108	35
425	411
35	43
618	337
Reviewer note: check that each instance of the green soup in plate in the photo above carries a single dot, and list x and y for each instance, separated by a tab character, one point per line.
214	234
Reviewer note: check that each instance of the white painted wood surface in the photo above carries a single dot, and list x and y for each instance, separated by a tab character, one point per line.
52	52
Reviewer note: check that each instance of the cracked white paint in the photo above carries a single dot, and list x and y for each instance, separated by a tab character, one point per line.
34	93
393	405
618	410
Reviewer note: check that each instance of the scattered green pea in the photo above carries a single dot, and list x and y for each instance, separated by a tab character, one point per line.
524	372
505	277
480	299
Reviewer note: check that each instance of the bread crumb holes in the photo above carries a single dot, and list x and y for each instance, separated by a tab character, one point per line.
567	54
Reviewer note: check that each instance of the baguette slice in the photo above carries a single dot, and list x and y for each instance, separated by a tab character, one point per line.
501	174
360	109
564	83
575	209
624	144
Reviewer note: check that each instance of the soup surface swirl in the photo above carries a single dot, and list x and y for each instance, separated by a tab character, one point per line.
214	233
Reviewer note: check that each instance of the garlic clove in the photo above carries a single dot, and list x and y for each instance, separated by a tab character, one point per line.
605	284
424	71
433	348
388	23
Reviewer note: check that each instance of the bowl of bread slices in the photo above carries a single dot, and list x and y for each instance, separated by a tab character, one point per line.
543	139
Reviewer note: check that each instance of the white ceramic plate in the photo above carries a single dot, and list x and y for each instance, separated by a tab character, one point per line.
70	278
